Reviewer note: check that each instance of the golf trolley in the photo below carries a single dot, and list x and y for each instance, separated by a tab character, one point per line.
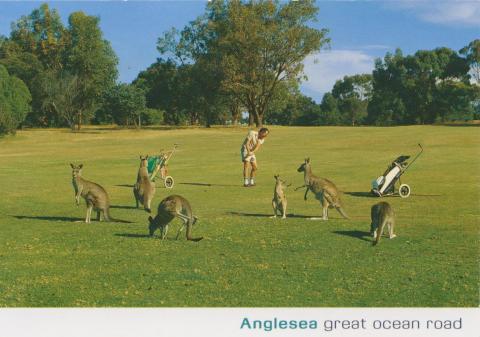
157	167
385	184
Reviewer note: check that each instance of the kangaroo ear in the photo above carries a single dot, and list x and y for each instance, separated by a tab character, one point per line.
80	166
307	160
276	176
73	166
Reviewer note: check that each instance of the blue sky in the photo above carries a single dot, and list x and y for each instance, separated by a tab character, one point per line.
360	31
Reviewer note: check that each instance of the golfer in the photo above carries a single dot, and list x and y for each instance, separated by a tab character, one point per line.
250	145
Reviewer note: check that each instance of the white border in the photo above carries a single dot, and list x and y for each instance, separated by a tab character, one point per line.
212	322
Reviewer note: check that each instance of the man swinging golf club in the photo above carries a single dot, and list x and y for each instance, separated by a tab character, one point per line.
250	145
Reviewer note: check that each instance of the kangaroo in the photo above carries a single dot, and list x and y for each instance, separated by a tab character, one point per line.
95	196
382	214
144	189
279	201
324	190
173	206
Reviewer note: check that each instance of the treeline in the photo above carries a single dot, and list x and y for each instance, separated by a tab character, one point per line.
430	86
241	61
67	70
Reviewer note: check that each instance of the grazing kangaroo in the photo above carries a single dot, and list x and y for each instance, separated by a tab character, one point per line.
324	190
95	196
279	201
144	189
173	206
382	214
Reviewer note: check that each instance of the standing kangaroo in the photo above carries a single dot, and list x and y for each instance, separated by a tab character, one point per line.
173	206
382	214
95	195
144	189
324	190
279	201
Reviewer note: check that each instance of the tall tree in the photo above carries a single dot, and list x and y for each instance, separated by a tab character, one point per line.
62	92
472	55
249	47
158	84
36	44
407	89
40	48
126	104
352	95
92	60
264	44
329	114
42	34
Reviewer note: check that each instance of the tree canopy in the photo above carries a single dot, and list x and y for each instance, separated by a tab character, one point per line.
249	48
41	49
14	102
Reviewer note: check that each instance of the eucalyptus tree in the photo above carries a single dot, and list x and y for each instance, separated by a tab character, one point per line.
246	48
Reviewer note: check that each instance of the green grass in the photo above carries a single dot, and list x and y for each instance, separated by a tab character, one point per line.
246	258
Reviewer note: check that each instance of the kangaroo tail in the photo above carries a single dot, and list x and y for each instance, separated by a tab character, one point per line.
342	212
379	233
189	234
108	218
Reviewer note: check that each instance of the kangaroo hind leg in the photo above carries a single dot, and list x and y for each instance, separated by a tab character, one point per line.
391	234
325	206
275	208
284	209
185	220
164	230
89	212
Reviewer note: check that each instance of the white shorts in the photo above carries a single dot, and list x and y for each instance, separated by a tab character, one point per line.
245	157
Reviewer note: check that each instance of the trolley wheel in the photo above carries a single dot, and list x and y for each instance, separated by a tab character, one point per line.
169	182
404	191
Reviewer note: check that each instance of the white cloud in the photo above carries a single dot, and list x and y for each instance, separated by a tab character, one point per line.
454	12
325	68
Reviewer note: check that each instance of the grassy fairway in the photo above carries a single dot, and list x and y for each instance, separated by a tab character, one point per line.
246	258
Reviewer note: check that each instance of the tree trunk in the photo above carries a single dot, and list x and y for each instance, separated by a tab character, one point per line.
235	111
250	118
259	120
79	121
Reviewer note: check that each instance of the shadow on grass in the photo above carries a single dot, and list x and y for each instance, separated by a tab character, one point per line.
259	215
361	194
125	207
130	235
66	219
209	185
49	218
370	195
426	195
355	234
124	185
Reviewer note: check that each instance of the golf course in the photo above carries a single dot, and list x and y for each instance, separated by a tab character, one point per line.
50	258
